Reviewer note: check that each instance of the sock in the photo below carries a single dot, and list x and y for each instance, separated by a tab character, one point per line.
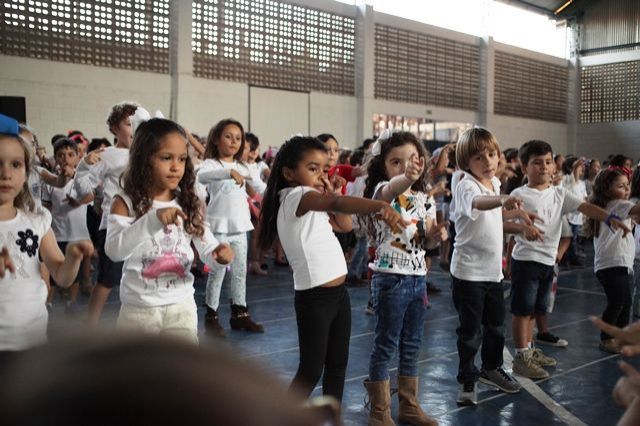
520	350
530	345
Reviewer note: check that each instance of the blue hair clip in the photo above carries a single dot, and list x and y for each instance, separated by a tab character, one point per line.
9	126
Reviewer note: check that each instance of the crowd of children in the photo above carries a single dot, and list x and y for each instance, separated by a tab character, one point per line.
162	206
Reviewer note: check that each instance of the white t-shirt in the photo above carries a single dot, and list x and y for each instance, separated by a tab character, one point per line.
255	171
69	223
455	179
157	258
23	295
579	190
107	171
550	205
308	241
402	251
611	249
477	254
35	185
228	209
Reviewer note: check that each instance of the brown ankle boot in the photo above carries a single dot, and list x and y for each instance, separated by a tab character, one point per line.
380	400
241	320
410	411
212	325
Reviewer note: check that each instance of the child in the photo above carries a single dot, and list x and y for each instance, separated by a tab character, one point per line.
634	197
104	166
476	265
69	215
535	252
296	208
614	254
151	226
228	216
259	172
25	237
573	169
397	175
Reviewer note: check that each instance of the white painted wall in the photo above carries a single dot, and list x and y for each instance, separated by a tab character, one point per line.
62	96
512	132
598	140
336	115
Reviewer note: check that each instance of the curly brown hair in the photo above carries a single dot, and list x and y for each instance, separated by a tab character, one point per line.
119	112
139	172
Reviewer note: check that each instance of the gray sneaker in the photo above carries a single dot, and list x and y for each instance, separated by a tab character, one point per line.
468	394
500	379
541	359
525	365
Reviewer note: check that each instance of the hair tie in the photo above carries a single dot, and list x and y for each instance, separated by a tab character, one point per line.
624	170
376	148
9	126
140	116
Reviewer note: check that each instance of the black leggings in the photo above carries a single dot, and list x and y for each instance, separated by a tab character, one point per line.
323	315
618	286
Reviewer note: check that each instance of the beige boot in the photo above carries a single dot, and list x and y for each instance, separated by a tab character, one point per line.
380	400
410	411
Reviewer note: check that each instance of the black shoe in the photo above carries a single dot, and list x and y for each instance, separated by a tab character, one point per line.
212	325
241	320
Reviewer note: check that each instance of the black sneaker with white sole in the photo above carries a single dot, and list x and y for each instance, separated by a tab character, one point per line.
468	394
551	340
500	379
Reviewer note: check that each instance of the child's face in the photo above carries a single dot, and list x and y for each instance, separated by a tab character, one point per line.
13	173
397	159
168	162
620	188
29	139
82	150
123	132
333	151
230	141
540	169
483	165
310	170
594	168
253	155
245	153
67	157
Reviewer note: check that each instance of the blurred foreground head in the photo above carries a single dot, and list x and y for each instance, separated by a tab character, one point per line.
145	380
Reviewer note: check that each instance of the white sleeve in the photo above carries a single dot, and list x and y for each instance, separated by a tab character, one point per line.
205	246
209	171
125	234
571	203
292	201
622	208
466	192
87	178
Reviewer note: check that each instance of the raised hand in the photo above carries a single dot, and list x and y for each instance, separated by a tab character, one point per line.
93	157
337	182
532	233
82	249
235	175
171	216
512	203
414	167
391	217
6	263
223	254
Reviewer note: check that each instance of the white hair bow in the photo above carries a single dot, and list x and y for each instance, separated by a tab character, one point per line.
140	116
377	145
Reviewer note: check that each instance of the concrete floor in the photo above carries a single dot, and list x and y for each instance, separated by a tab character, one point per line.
578	391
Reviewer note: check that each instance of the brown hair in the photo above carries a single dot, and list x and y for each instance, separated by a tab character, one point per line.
138	174
135	379
24	199
471	142
119	112
211	150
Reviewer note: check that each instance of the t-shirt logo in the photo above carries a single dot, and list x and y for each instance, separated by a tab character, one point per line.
28	242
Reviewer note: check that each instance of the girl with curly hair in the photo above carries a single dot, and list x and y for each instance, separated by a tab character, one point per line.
152	223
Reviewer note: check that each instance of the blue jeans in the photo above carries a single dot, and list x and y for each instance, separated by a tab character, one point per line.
400	311
358	264
574	249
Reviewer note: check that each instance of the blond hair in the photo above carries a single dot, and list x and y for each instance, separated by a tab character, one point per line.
471	142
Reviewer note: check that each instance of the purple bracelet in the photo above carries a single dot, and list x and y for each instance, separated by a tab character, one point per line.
607	221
